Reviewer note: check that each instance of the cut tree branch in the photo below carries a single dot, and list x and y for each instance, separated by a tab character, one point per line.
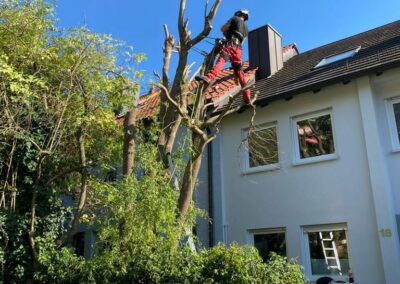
215	120
182	112
207	24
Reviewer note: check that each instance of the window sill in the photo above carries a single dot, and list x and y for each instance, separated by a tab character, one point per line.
267	168
395	149
316	159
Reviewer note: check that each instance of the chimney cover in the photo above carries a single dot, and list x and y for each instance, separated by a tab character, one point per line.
265	51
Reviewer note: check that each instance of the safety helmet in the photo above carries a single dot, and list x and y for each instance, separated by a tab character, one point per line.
243	12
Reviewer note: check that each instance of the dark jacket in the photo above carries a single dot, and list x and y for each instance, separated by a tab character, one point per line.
235	28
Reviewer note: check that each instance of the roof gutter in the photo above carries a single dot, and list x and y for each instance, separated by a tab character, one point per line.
377	69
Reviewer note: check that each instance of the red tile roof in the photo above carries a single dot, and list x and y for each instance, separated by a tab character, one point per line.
224	85
289	51
148	104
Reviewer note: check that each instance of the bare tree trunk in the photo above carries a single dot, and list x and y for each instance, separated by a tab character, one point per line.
128	162
83	171
164	115
83	188
190	177
169	117
31	232
129	142
174	109
84	181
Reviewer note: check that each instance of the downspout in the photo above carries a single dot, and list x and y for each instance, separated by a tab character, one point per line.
210	194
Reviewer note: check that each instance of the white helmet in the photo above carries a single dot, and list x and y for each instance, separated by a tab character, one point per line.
243	12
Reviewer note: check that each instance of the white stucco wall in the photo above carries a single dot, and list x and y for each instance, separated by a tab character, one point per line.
328	192
385	87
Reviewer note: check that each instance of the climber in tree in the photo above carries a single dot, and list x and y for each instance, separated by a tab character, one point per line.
235	31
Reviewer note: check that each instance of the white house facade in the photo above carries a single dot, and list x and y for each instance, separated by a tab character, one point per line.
318	176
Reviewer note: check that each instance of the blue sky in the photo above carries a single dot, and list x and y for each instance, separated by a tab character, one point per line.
308	23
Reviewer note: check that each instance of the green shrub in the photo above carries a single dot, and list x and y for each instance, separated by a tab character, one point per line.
242	264
60	265
234	264
279	270
220	264
137	242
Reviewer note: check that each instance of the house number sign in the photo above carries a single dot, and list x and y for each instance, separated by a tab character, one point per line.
386	232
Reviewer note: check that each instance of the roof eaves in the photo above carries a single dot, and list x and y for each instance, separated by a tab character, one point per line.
324	83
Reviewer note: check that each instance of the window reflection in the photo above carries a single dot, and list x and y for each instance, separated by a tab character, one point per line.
263	147
396	109
270	242
328	252
315	136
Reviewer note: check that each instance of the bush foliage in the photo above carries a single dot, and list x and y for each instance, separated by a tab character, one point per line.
146	250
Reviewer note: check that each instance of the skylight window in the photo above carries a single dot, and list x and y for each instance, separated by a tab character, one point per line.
337	57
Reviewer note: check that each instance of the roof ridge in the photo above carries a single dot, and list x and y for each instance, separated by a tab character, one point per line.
153	92
349	37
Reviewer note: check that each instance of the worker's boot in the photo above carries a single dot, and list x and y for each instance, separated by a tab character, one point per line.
246	95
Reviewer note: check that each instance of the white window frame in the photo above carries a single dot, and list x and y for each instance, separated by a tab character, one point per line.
306	249
246	169
265	231
392	123
297	160
337	57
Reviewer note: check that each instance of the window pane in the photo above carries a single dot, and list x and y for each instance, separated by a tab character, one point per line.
396	108
267	243
315	136
337	57
263	147
111	176
78	242
328	252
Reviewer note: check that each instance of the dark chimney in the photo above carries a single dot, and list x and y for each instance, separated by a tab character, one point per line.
265	51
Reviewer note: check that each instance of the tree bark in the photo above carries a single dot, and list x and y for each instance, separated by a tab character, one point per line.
129	142
31	232
174	109
190	176
164	115
171	119
83	188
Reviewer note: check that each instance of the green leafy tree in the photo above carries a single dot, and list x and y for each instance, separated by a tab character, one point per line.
59	92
